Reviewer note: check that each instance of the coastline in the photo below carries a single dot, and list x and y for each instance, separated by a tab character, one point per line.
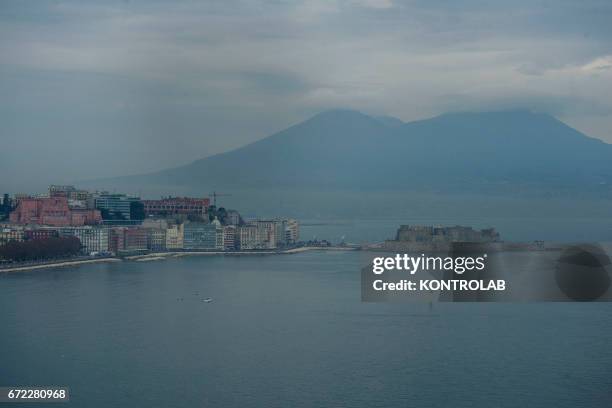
59	264
158	256
154	256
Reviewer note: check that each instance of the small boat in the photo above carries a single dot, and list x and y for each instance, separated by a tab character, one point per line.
207	300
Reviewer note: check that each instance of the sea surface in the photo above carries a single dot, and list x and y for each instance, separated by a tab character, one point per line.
289	331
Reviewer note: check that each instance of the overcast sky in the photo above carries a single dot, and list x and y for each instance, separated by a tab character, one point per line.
95	89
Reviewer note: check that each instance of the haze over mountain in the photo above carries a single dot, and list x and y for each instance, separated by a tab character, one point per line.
343	149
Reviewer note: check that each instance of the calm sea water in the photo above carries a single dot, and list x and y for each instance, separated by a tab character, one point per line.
288	331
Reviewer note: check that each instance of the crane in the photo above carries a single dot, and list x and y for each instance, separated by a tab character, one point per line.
214	195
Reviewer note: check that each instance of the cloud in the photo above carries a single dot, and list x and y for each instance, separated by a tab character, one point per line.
188	79
375	4
603	63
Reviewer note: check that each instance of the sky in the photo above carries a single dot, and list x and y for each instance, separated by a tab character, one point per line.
99	89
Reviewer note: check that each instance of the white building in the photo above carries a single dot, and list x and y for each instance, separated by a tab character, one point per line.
246	237
229	237
292	231
93	239
174	237
156	239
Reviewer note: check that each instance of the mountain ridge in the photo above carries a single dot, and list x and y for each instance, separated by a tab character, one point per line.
347	149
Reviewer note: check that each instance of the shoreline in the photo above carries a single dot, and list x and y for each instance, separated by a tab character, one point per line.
59	264
154	256
158	256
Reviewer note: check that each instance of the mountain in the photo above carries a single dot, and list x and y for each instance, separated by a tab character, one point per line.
343	149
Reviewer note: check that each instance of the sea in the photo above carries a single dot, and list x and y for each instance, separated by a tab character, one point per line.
288	331
292	330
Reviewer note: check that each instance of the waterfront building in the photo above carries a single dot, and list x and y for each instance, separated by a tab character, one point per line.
292	231
436	234
174	237
135	239
266	234
219	234
176	206
40	233
156	239
246	237
128	239
11	233
271	234
229	237
156	233
53	211
93	239
198	235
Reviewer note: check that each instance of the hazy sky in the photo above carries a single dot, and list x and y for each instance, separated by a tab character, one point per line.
94	89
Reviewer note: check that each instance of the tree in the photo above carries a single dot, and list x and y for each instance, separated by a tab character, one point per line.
40	249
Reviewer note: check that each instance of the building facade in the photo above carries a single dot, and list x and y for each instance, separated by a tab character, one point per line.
70	192
116	206
11	233
232	217
40	233
246	237
176	206
292	231
93	239
53	211
174	237
128	239
156	239
435	234
229	237
201	236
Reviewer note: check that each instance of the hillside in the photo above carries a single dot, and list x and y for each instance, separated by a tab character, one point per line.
343	149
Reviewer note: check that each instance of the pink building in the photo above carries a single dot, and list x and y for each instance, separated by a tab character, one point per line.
128	239
52	211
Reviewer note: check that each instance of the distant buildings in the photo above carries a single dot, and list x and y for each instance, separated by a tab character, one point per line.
246	237
433	238
156	239
232	218
6	206
201	236
275	233
40	233
267	233
229	237
174	237
176	206
70	192
93	239
11	233
53	211
292	231
114	207
120	224
127	240
418	233
156	233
